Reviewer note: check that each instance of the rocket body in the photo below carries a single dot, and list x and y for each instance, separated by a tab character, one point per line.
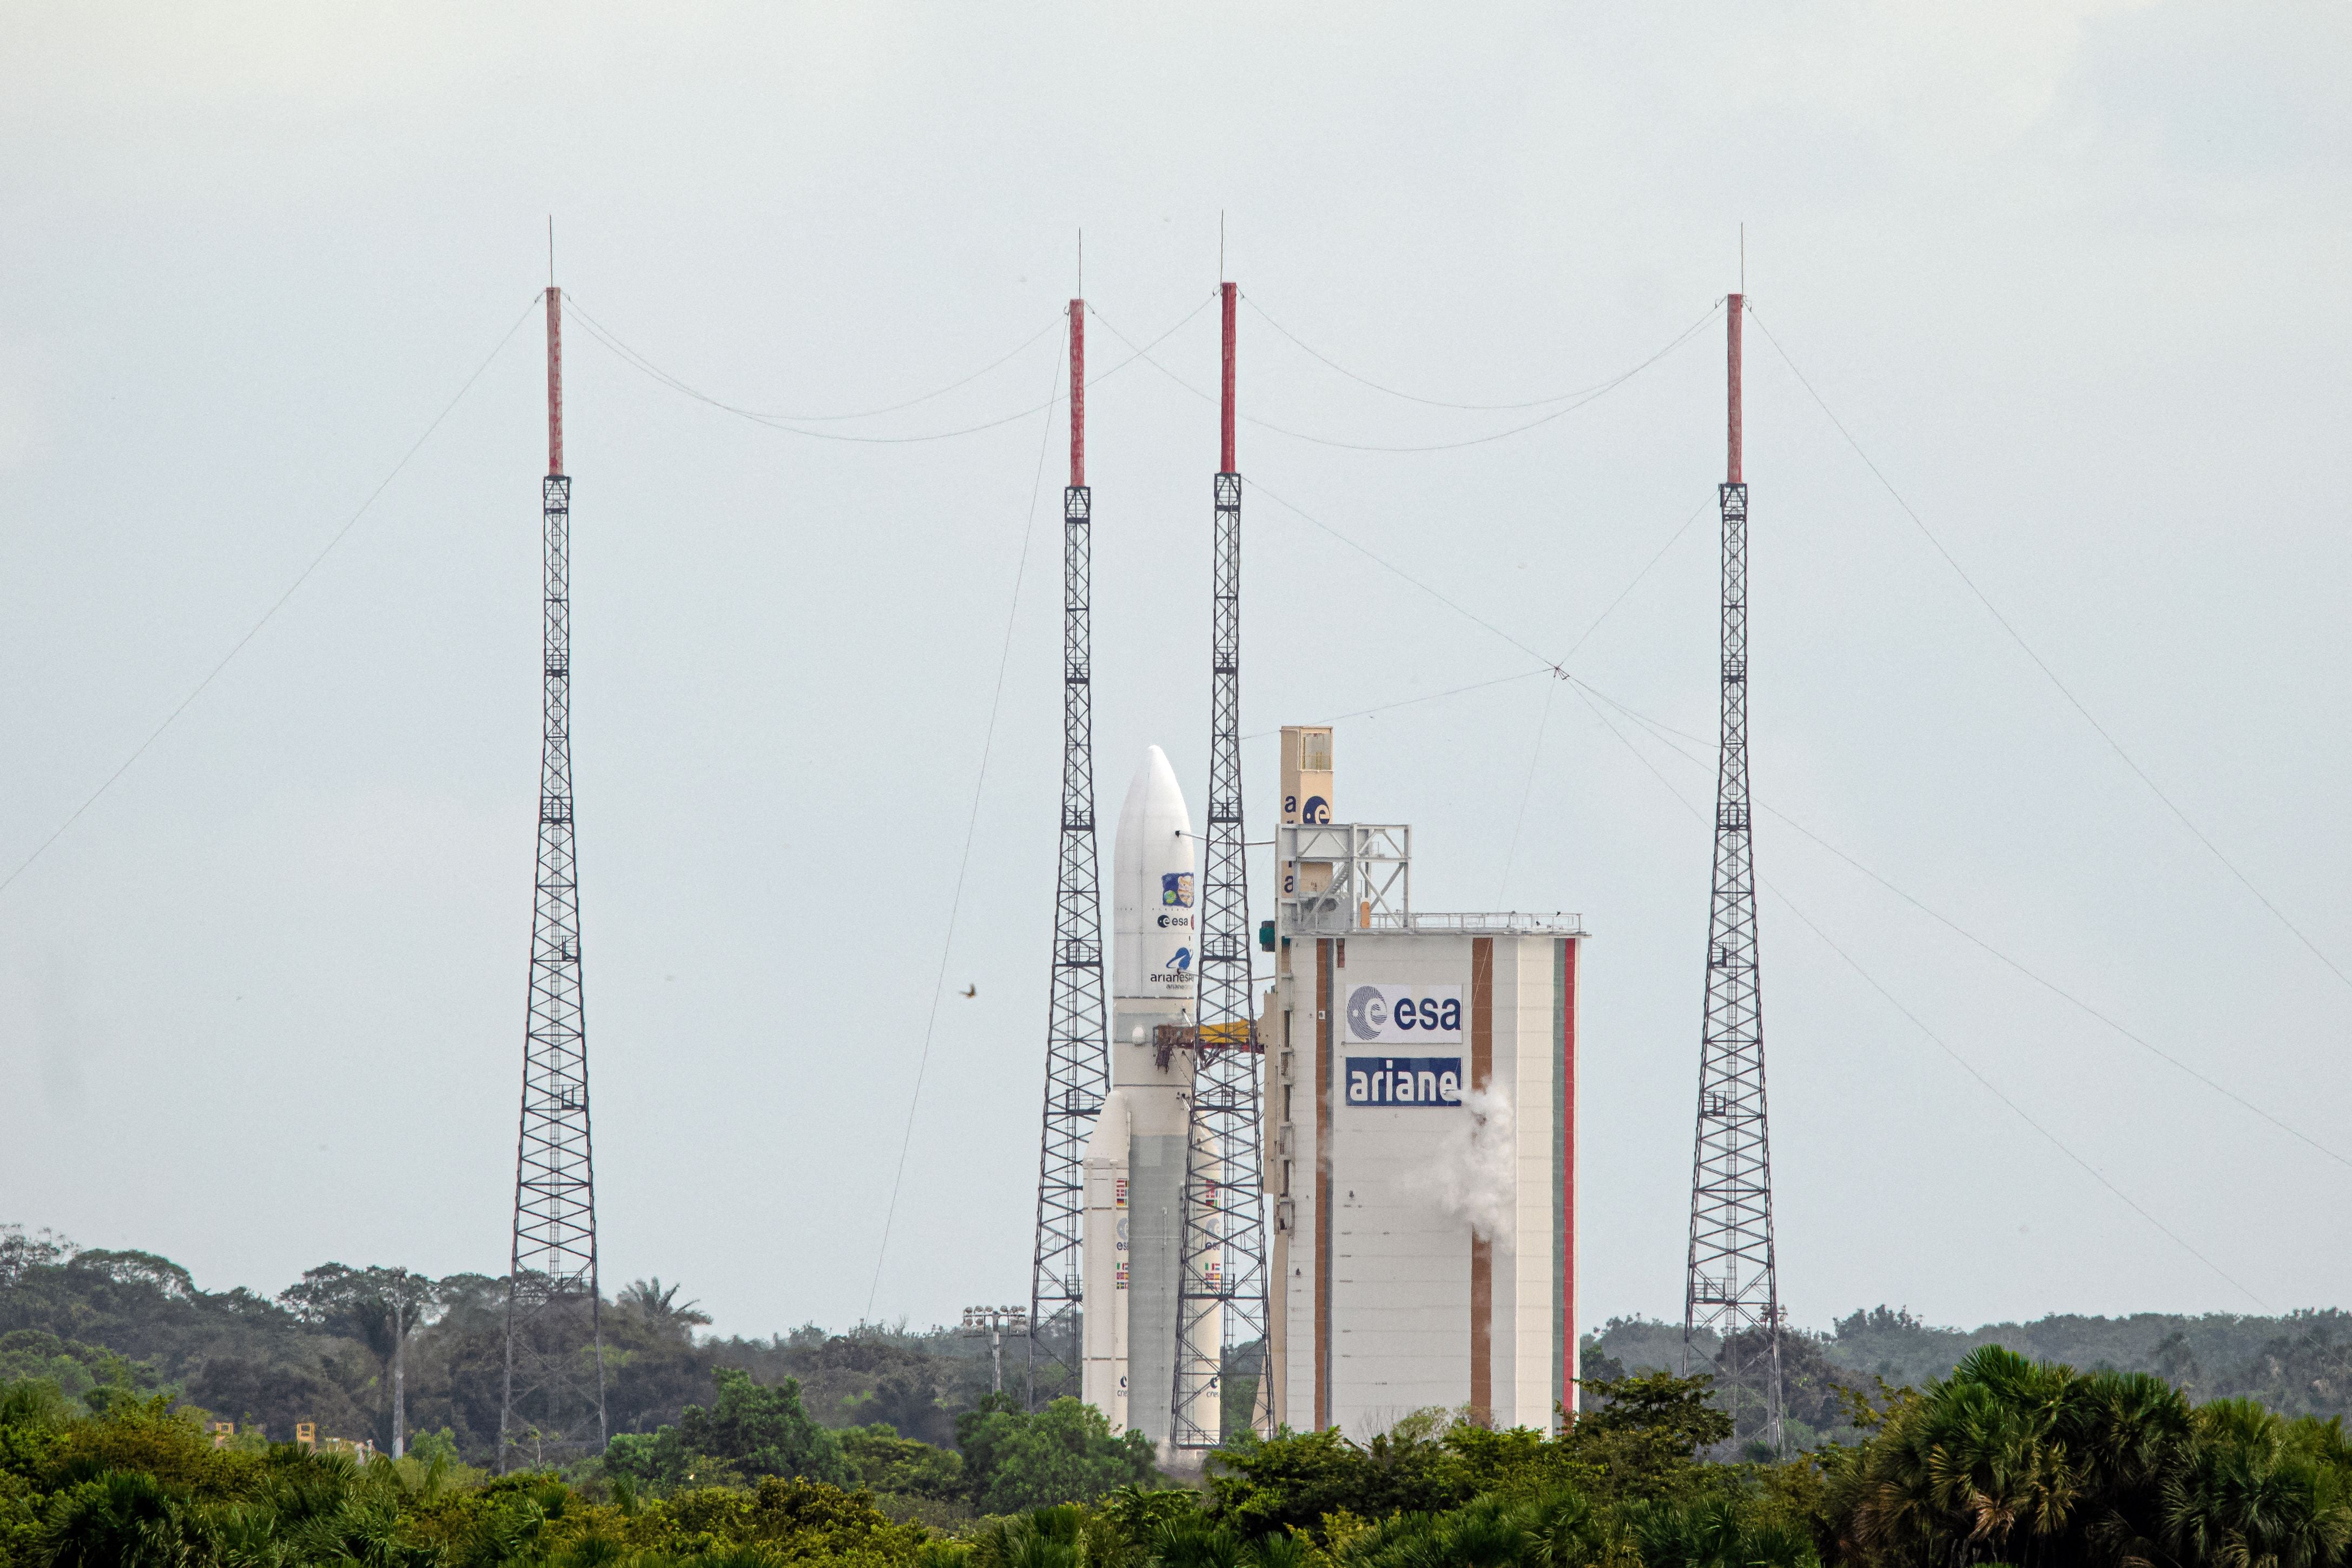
1135	1159
1103	1262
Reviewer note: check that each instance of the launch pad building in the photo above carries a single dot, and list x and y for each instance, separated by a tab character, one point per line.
1420	1164
1421	1117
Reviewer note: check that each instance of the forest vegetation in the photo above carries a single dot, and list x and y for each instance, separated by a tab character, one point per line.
2154	1443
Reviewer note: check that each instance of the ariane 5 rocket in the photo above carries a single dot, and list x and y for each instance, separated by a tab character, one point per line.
1135	1159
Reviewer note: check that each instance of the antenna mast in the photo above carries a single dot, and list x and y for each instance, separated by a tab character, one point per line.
1733	1287
1078	1047
1222	1287
552	1409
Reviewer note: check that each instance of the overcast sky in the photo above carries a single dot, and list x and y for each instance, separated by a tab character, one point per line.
2072	275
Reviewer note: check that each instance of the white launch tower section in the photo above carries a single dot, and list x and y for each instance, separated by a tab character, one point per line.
1135	1160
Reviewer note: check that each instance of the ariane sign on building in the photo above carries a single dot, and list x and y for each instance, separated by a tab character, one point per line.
1404	1015
1404	1082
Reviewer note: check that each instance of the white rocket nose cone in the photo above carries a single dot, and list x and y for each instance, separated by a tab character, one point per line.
1155	925
1154	798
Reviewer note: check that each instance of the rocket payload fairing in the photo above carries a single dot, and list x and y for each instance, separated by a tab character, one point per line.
1135	1160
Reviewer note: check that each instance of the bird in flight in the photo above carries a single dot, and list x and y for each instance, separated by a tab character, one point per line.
971	990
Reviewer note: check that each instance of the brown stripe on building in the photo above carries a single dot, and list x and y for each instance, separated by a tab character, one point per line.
1482	1249
1322	1183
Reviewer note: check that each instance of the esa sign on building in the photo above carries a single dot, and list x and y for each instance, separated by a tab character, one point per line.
1404	1015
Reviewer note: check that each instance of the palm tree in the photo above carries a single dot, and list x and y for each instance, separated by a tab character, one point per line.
658	1304
2131	1428
124	1518
2256	1490
1190	1541
1712	1532
1567	1532
1043	1538
1979	1468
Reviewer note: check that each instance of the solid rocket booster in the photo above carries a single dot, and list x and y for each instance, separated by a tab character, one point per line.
1135	1159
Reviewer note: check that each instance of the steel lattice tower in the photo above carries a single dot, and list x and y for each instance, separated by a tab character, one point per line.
1077	1046
553	1406
1733	1286
1221	1286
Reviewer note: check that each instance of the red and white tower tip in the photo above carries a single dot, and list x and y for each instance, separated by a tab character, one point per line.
1232	293
1738	306
554	380
1078	394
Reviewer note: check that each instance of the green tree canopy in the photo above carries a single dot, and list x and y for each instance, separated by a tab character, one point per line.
889	1463
1292	1481
750	1431
1016	1461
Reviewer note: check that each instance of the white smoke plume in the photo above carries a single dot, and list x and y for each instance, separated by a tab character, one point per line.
1477	1174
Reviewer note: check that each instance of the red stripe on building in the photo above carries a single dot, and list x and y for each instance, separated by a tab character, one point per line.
1567	1172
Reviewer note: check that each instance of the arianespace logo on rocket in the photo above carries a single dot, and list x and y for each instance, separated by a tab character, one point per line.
1405	1015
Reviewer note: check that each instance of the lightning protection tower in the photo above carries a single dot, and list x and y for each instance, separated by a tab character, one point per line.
1733	1287
1077	1046
553	1407
1221	1286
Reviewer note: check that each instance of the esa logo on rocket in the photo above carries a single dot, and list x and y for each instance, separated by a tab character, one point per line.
1381	1015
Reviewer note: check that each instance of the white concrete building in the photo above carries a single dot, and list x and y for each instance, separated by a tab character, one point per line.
1420	1130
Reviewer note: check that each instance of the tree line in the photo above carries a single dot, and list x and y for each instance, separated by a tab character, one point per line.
384	1354
2298	1365
884	1448
2005	1460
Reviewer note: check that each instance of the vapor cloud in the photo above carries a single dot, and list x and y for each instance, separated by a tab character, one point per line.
1474	1174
